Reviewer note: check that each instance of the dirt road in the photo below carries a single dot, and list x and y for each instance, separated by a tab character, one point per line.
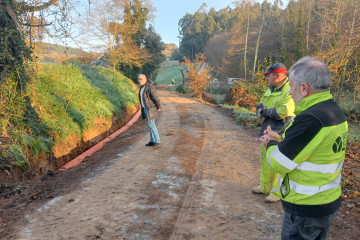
195	186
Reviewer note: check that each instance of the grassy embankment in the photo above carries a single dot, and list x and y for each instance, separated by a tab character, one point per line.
79	95
70	104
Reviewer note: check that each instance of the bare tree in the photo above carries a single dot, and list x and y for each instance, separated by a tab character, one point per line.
352	29
215	50
110	27
310	5
246	21
323	26
18	18
257	49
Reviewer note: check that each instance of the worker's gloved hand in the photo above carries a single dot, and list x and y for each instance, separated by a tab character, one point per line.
265	113
270	113
259	110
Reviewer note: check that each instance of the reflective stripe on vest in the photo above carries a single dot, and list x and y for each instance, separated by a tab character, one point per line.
312	190
281	159
305	166
323	168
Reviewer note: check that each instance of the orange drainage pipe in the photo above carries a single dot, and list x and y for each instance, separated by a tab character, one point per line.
76	161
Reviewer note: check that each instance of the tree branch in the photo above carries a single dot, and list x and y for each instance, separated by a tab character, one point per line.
27	8
13	17
36	25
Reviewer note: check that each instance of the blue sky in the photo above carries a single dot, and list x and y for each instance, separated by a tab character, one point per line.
169	12
167	16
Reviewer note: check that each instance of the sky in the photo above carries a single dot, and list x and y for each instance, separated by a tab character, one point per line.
169	12
167	16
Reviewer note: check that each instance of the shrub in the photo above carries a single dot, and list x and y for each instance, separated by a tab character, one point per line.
197	74
353	115
4	164
238	96
218	90
208	98
247	120
19	126
18	157
219	98
243	116
351	108
182	89
35	146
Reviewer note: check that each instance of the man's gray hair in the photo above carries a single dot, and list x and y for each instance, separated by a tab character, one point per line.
312	72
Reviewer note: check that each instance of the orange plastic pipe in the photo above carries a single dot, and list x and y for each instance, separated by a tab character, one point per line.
76	161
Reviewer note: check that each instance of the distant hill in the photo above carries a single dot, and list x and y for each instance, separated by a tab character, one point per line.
47	52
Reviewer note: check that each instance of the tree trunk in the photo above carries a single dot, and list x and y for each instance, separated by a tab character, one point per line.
352	24
257	48
323	27
246	43
308	27
283	36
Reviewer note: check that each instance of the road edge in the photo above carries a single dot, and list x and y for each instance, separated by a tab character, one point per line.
77	161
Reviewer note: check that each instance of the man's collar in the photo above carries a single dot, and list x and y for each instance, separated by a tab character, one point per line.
277	89
311	100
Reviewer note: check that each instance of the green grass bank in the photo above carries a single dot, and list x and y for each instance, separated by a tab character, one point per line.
65	109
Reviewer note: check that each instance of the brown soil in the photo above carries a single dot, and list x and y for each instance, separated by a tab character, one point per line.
195	186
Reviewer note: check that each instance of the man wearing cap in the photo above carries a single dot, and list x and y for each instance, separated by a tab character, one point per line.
276	109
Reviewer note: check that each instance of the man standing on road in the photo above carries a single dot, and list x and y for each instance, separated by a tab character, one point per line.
310	157
276	108
150	108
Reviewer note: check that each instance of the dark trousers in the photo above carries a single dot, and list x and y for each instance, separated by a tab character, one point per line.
305	228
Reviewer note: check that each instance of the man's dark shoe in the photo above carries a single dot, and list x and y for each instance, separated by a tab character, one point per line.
150	144
156	145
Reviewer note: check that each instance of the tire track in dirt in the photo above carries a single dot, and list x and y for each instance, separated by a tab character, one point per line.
219	204
197	125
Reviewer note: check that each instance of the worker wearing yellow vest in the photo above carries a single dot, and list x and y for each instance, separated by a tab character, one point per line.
276	109
309	158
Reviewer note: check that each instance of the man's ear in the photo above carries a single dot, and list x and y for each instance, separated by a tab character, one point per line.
305	90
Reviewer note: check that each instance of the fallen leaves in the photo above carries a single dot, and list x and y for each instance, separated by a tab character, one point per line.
351	172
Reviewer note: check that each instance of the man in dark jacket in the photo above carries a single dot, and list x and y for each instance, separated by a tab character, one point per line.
150	108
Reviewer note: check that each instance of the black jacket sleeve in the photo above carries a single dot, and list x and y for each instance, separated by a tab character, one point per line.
154	97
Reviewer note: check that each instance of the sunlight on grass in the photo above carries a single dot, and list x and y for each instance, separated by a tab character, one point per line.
167	73
68	98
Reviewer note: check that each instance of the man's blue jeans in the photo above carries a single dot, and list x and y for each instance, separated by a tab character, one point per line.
305	228
154	134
